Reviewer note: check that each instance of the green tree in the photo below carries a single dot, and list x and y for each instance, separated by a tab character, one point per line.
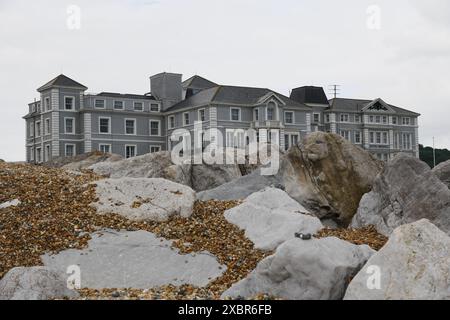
426	155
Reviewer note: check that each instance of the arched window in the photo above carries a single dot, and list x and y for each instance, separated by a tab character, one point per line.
271	111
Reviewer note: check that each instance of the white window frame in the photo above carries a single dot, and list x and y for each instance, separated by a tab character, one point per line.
32	154
384	119
47	126
155	146
47	152
150	128
199	116
359	118
342	115
100	145
318	114
47	103
373	138
347	131
239	114
256	114
135	150
32	128
73	103
95	104
73	125
395	120
159	107
134	126
360	137
293	117
134	106
74	149
38	133
39	154
404	122
114	105
109	125
327	118
188	118
169	125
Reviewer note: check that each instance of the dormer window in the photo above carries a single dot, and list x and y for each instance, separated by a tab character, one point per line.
154	107
271	111
69	103
118	105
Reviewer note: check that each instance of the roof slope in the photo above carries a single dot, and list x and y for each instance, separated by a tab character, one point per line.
62	81
197	82
358	104
309	94
125	95
232	95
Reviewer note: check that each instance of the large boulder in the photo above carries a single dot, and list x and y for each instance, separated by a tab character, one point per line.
143	199
325	173
305	270
442	171
413	265
35	283
137	259
329	175
159	165
270	217
406	191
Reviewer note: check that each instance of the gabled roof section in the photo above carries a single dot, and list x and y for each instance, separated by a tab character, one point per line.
62	81
197	82
378	105
309	94
357	105
232	95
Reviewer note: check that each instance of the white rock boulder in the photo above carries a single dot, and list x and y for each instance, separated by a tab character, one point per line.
305	270
413	265
144	199
35	283
12	203
270	217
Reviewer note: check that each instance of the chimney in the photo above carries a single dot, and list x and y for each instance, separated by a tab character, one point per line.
167	88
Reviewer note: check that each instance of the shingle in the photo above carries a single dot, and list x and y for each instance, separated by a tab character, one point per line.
125	96
62	81
197	82
357	105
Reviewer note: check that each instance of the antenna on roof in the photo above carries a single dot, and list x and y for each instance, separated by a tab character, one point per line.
334	89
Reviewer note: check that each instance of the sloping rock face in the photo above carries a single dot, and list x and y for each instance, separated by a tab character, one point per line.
442	171
270	217
305	270
143	199
35	283
159	165
413	265
136	259
241	188
406	191
329	175
82	161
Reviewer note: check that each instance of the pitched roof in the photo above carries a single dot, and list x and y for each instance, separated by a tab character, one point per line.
62	81
197	82
309	94
125	95
357	105
232	95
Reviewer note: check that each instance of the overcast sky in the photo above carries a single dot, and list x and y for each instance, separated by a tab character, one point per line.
402	57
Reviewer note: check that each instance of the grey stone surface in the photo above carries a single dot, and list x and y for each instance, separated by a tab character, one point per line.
305	270
144	198
270	217
135	260
34	283
240	188
442	171
413	265
7	204
406	191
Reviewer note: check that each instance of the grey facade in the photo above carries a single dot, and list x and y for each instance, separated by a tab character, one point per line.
67	121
